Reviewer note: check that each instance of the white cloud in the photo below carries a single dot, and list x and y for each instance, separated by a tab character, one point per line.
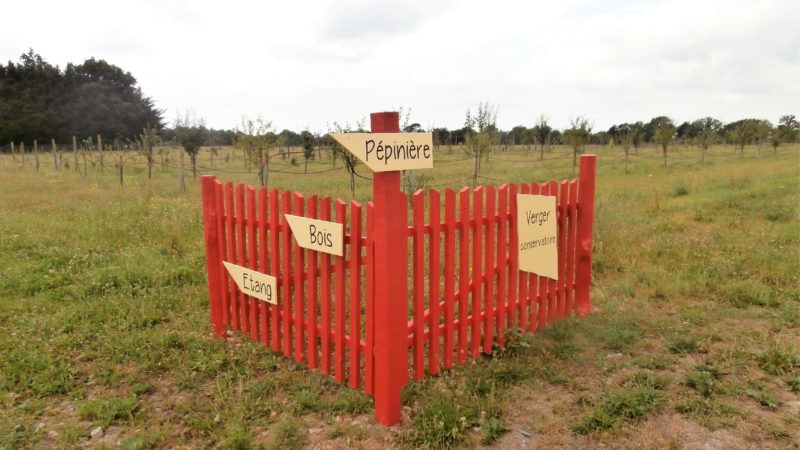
303	64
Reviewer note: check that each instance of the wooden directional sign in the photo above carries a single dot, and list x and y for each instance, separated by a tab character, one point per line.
537	235
254	284
385	152
319	235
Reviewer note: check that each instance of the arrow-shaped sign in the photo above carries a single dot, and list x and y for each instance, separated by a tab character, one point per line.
254	284
385	152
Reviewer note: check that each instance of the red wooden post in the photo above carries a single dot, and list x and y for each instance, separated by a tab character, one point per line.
208	187
391	299
583	275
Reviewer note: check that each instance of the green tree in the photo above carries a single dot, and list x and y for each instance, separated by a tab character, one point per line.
663	131
39	101
480	130
576	136
789	128
707	132
148	140
350	160
541	131
308	146
191	134
256	140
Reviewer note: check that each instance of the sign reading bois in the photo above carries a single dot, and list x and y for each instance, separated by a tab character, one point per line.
537	235
319	235
254	284
385	152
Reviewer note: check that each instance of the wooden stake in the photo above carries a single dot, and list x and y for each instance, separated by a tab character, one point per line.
182	180
36	154
75	152
83	153
22	150
54	150
13	153
100	151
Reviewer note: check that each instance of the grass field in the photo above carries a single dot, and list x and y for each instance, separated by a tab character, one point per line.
694	339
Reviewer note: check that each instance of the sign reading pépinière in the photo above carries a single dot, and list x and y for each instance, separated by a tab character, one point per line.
386	152
537	235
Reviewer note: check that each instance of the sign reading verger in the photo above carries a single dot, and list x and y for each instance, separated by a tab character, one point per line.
537	235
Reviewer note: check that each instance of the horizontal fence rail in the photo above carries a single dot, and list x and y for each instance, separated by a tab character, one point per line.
465	290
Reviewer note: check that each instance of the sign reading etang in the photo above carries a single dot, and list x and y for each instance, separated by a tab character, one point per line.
385	152
537	235
254	284
319	235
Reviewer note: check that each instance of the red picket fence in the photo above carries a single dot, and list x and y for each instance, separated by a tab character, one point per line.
324	315
349	316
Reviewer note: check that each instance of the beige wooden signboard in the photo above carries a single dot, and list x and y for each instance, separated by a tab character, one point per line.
537	235
254	284
320	235
384	152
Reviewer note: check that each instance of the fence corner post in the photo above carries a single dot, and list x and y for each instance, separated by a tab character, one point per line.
583	275
390	283
207	186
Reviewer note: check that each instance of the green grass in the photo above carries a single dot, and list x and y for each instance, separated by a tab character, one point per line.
104	312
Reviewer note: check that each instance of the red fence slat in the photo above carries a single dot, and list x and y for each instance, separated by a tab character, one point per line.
325	288
286	273
299	291
489	295
449	275
477	273
355	292
311	284
502	259
338	343
274	264
262	261
433	282
418	207
463	273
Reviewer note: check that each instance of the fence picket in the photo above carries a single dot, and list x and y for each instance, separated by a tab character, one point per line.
463	273
223	254
449	275
534	317
325	288
341	217
552	285
562	247
263	266
299	292
433	281
355	293
513	257
523	278
311	284
274	264
250	218
369	357
571	235
418	207
502	259
286	273
491	268
477	272
231	212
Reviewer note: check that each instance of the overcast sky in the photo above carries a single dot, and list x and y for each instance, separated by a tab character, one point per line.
306	64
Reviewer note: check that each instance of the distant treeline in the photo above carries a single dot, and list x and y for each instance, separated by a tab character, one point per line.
41	101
